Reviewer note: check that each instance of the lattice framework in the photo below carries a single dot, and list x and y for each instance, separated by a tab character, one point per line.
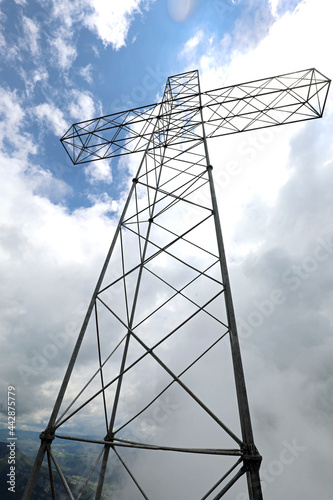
164	243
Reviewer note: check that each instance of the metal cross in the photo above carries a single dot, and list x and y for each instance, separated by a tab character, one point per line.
164	287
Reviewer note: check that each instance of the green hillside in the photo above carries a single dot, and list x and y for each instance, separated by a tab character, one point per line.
75	459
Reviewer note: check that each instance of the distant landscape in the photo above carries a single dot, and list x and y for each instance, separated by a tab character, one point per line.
75	459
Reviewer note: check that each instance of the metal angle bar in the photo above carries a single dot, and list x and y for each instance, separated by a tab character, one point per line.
231	483
165	164
178	157
181	197
172	382
243	405
35	471
176	198
213	134
256	81
131	475
296	111
327	84
181	324
189	149
90	474
130	366
264	111
177	153
191	182
200	308
142	149
137	219
124	277
256	118
107	118
195	178
179	292
61	475
164	249
114	314
50	473
317	93
121	443
191	243
128	226
100	484
326	95
86	385
100	365
248	96
272	105
200	403
222	479
199	451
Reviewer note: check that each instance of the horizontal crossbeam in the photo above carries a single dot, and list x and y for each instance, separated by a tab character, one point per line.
248	106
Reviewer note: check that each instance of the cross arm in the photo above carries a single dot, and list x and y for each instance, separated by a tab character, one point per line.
258	104
278	100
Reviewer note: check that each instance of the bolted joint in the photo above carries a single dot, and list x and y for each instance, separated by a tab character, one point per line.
47	436
135	180
251	457
109	436
209	167
151	219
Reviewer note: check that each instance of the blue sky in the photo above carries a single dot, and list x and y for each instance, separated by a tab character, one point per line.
65	64
62	62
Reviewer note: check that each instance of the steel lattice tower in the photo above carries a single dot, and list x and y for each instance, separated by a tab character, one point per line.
162	303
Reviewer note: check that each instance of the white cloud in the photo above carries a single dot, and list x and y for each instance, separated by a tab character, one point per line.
191	44
9	48
52	117
99	171
12	118
111	20
86	73
33	78
69	13
274	6
31	31
66	52
82	105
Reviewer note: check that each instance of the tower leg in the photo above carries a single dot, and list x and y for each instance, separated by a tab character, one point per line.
35	471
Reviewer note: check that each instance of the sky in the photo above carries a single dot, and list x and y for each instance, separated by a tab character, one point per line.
66	62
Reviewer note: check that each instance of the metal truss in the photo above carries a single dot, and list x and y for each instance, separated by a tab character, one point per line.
162	308
259	104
